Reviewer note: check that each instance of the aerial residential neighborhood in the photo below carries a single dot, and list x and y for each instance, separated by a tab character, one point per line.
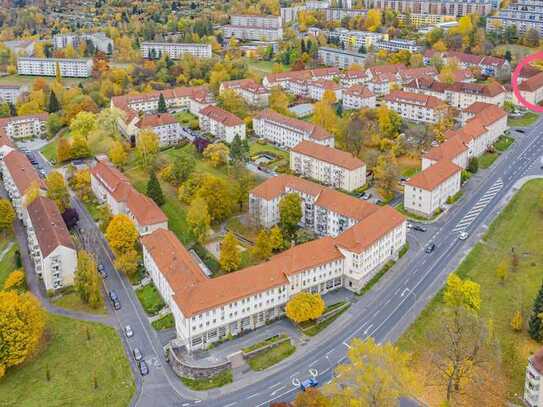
264	203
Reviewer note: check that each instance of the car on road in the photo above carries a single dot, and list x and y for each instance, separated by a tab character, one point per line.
409	225
430	248
463	235
366	196
102	271
128	331
137	354
306	384
43	173
520	131
144	370
114	300
419	228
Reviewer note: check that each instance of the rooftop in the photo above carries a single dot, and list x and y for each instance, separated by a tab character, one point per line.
314	131
433	176
328	154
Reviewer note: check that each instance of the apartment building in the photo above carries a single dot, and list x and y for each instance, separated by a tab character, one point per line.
6	145
164	125
286	132
327	165
69	68
222	124
255	27
208	310
174	50
352	78
283	79
398	45
531	89
424	20
457	8
340	58
460	94
338	14
452	149
111	187
316	89
50	244
358	97
416	107
10	93
488	65
250	91
19	178
18	127
355	39
428	191
533	384
21	47
381	79
99	40
522	14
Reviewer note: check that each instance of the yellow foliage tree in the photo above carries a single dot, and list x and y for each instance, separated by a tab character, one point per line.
127	262
121	234
462	293
373	20
81	183
230	257
147	147
7	215
22	322
279	101
15	280
57	190
117	154
217	153
517	322
304	307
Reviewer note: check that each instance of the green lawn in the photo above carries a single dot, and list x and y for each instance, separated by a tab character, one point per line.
166	322
272	356
187	119
315	328
7	264
282	156
205	384
150	299
29	80
503	143
375	279
263	67
73	362
71	301
487	159
519	226
98	144
49	151
400	208
263	343
528	119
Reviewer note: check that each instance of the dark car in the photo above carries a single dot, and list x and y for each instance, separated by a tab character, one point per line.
114	300
430	248
520	131
419	228
137	354
144	370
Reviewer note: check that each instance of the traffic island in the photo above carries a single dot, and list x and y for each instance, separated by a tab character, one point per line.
269	352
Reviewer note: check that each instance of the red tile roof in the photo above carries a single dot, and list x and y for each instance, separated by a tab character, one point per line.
220	115
328	154
21	170
39	116
532	84
156	120
419	99
486	113
247	84
433	176
359	91
537	360
314	131
49	227
302	75
448	150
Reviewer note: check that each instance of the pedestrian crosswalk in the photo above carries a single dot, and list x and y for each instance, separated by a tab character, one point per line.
481	204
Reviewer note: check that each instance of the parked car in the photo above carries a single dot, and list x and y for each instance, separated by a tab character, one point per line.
144	370
102	271
137	354
463	236
419	228
128	331
430	248
520	131
114	300
367	196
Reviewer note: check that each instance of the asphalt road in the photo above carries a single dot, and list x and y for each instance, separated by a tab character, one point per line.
383	313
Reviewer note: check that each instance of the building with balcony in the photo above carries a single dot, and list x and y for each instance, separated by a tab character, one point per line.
358	97
327	165
255	27
340	58
354	39
316	89
111	187
222	124
283	79
250	91
174	50
164	125
10	93
99	41
398	45
18	127
416	107
522	14
533	384
531	89
287	132
457	8
69	68
488	65
50	244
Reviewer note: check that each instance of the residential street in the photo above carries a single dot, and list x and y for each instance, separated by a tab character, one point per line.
383	313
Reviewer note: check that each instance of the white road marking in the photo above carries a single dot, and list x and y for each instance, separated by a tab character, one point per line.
253	395
276	384
273	393
347	345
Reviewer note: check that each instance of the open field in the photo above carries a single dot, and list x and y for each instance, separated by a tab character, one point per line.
520	226
82	372
71	301
29	80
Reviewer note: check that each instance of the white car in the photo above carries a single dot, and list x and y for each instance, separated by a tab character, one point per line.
128	331
463	236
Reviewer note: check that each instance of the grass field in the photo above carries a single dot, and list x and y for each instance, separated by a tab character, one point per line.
150	299
73	362
528	119
519	226
205	384
256	148
165	322
262	67
71	301
272	356
487	159
7	264
98	144
29	80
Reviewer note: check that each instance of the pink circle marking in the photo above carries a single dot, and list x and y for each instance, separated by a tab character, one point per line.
514	81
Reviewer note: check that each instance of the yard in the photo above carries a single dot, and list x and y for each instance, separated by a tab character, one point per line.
29	80
281	157
83	372
70	300
166	322
520	226
187	119
272	356
98	144
526	120
150	299
8	262
263	67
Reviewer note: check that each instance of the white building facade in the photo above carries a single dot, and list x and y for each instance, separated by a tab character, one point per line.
155	50
69	68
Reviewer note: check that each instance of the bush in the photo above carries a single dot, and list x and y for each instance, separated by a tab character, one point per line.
473	165
15	280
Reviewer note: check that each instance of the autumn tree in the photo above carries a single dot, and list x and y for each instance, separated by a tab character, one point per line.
147	147
121	234
87	281
79	148
263	245
276	238
217	153
7	215
517	322
15	280
64	148
311	397
502	270
83	123
57	190
462	293
117	154
229	100
230	257
386	174
290	212
81	184
198	219
373	20
304	306
279	101
22	323
219	196
184	164
154	190
127	262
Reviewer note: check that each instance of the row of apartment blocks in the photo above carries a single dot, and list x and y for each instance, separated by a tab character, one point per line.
522	14
70	68
254	27
488	65
440	178
208	310
174	50
10	93
253	93
28	126
456	8
140	111
99	40
49	243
